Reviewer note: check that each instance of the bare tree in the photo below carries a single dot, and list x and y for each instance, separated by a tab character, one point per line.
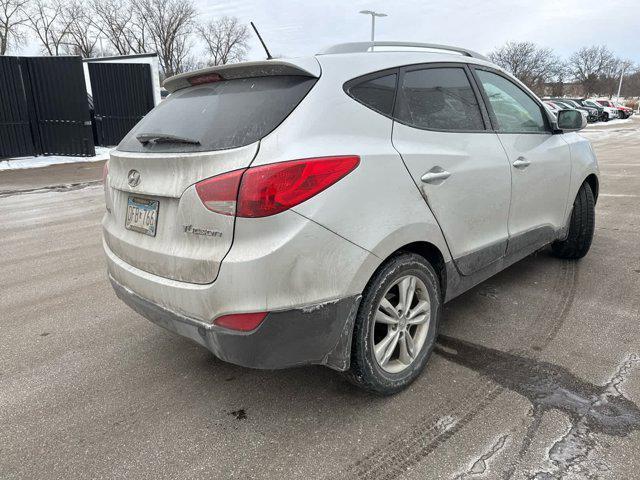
226	40
13	17
47	20
193	62
532	65
82	36
589	64
169	24
121	25
631	84
610	77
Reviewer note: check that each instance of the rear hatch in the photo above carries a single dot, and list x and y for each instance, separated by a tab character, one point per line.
212	123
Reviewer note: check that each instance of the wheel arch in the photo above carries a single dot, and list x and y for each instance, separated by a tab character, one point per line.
594	184
432	254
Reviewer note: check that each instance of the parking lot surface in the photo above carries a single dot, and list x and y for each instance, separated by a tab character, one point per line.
536	374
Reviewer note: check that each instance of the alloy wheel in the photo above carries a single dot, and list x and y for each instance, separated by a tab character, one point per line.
401	324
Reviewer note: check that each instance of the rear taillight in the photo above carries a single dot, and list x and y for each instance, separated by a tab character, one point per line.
105	172
219	194
243	322
270	189
274	188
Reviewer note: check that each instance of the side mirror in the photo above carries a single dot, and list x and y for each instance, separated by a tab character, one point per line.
571	120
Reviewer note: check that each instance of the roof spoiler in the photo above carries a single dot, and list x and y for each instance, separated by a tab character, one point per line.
305	67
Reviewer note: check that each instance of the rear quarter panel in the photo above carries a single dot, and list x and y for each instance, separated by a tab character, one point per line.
377	206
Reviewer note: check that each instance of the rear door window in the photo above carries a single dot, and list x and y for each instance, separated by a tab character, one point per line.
439	99
219	115
377	93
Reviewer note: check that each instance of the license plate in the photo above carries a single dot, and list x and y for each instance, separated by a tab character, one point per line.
142	215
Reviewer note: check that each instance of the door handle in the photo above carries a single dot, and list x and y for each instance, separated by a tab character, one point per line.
431	176
521	163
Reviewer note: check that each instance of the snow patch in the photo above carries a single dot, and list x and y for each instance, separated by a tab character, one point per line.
617	121
446	423
102	153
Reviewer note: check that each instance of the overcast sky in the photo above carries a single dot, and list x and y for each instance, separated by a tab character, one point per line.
299	27
304	27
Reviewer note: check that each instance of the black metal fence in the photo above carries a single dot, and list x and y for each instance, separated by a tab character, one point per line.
15	129
43	107
122	95
61	106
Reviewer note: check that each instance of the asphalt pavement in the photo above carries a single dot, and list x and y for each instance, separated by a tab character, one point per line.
536	374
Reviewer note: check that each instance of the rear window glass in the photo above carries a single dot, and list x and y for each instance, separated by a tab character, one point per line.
439	99
377	94
221	115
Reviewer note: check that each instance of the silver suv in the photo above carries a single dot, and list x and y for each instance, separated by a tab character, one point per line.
321	210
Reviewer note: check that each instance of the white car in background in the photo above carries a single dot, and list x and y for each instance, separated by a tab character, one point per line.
612	113
322	210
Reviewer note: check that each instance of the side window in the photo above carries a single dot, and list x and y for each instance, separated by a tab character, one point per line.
439	99
515	111
377	94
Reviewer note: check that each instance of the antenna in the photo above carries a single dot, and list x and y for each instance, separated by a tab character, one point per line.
269	57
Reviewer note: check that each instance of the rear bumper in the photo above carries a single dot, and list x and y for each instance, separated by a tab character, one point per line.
318	334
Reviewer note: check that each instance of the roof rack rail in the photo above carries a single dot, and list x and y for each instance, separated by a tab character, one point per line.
356	47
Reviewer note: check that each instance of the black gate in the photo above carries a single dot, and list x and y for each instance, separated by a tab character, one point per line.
118	109
61	105
43	107
15	131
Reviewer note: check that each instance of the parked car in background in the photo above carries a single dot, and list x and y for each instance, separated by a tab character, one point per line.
627	110
552	107
559	105
567	106
623	112
242	217
609	113
603	115
593	115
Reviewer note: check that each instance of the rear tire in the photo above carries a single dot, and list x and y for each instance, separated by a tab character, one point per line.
581	227
387	370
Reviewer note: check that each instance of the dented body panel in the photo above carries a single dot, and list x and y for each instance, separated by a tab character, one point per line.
273	265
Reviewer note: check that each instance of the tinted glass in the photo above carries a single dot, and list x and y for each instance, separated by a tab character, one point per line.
515	110
377	94
439	99
220	115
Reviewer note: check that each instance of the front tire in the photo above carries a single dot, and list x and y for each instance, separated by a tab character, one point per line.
581	227
396	325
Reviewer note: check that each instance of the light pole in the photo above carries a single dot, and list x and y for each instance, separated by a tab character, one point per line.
620	84
373	20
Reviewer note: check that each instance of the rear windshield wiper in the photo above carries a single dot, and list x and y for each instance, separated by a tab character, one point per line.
145	138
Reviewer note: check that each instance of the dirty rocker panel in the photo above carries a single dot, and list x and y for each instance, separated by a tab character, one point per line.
517	248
